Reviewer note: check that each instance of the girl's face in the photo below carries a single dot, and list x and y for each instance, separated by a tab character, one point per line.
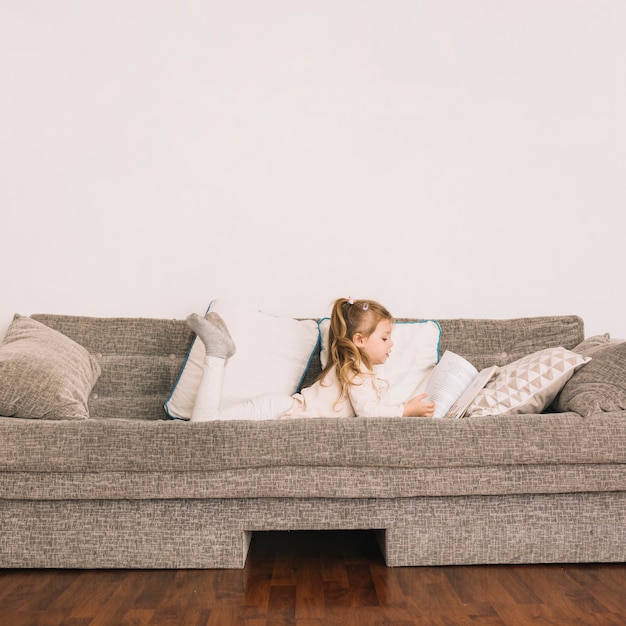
378	345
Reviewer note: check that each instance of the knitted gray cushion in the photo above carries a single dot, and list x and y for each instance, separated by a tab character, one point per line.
599	386
592	344
43	373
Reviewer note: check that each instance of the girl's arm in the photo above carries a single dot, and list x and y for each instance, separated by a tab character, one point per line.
365	398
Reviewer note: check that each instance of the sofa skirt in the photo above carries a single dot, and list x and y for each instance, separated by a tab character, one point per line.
196	533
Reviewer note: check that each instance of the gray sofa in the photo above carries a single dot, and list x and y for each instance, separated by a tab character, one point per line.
130	488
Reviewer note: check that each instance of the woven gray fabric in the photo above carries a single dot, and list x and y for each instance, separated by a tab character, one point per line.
314	482
170	446
418	531
560	528
140	360
120	534
598	387
589	345
43	373
130	488
498	342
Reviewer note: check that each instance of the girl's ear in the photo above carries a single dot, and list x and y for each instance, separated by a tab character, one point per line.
357	340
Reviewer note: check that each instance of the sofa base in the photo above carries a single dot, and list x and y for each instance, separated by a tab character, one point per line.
160	534
186	534
566	528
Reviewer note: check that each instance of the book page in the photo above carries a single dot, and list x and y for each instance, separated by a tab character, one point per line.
459	407
448	380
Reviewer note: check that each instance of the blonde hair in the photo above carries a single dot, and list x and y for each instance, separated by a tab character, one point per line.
349	317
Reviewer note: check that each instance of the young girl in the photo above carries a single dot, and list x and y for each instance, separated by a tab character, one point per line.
359	339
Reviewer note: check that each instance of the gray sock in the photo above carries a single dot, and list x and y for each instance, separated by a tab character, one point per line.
213	332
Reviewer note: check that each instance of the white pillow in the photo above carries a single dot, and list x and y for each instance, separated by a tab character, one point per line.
414	354
272	356
527	385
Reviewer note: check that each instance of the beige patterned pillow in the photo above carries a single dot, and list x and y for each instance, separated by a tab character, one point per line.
43	373
527	385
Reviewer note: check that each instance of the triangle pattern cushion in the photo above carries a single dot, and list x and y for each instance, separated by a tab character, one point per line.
527	385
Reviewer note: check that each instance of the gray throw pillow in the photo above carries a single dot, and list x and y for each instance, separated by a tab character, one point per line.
43	373
599	386
592	344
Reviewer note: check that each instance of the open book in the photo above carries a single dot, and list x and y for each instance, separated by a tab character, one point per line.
453	383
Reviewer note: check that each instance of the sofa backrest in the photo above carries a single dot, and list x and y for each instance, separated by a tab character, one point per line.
141	358
485	342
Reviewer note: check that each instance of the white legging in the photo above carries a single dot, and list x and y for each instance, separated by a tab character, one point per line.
207	403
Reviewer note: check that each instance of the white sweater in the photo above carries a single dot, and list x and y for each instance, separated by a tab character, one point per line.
366	398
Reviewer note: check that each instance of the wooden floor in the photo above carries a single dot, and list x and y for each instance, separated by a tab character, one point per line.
315	579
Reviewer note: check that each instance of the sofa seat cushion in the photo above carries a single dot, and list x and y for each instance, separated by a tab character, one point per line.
315	482
173	446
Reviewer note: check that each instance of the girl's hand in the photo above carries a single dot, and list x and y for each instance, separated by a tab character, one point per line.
418	407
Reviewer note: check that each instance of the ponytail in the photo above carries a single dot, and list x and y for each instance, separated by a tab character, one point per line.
347	318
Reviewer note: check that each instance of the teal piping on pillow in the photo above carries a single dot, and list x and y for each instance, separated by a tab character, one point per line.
317	346
180	373
324	319
426	322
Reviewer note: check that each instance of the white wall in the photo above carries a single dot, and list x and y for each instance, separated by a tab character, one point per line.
450	158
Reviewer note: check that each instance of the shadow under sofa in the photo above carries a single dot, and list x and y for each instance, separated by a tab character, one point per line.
130	488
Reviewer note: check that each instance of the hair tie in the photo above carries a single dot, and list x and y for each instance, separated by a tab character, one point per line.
365	305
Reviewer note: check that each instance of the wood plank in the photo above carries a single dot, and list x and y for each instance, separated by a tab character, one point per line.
318	579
